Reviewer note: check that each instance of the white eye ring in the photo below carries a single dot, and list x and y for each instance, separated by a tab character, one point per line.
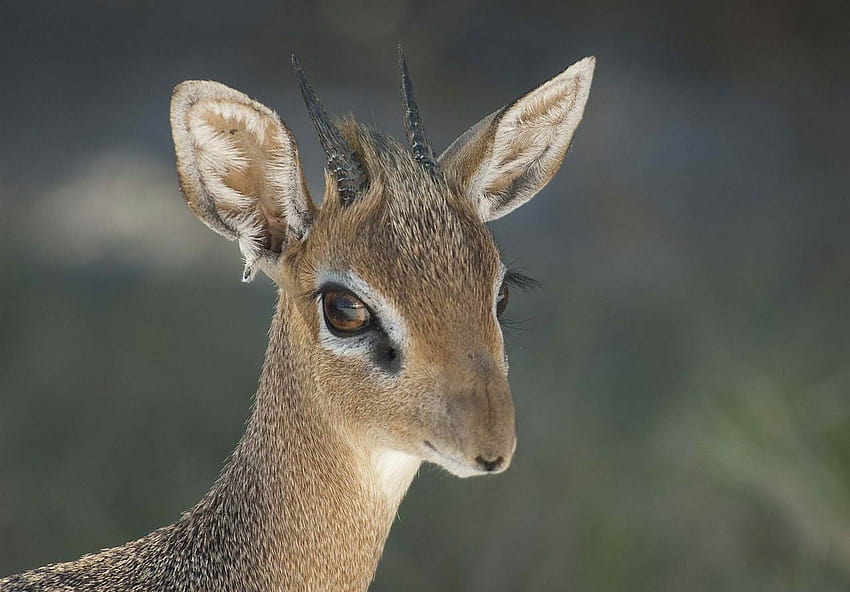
497	288
502	299
382	312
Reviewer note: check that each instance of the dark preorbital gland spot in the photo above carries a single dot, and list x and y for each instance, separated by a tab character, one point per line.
387	357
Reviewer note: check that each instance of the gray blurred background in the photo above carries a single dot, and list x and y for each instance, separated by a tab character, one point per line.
681	379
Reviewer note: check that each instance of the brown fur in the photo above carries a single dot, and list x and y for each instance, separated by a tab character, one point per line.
307	499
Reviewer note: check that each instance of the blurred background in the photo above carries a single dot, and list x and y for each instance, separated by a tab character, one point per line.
681	378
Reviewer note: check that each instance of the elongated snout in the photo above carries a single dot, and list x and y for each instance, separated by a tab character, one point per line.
478	433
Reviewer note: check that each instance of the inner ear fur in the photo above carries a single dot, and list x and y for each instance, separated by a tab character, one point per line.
506	158
239	169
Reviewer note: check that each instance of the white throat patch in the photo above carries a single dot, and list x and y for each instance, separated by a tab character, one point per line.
394	471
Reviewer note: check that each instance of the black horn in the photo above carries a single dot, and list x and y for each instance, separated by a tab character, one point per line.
416	135
342	162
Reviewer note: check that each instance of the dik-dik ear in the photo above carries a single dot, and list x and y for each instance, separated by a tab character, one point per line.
508	156
239	169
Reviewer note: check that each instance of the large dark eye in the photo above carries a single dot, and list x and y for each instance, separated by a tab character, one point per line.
502	299
345	312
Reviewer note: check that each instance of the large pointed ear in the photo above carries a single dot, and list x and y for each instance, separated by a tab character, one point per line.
507	157
239	169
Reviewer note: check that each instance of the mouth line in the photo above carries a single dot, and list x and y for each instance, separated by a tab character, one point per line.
451	464
439	452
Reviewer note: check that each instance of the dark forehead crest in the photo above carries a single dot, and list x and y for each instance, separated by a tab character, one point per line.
400	182
414	218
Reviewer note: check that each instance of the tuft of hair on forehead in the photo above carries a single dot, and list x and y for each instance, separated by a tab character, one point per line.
393	170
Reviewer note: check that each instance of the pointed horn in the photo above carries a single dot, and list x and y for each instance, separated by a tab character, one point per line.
416	135
342	162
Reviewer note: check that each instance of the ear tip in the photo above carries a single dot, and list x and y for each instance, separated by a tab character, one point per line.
202	88
583	66
182	97
185	87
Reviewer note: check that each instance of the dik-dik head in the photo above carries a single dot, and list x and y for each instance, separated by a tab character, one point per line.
395	281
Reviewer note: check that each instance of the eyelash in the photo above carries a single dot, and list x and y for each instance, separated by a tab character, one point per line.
516	279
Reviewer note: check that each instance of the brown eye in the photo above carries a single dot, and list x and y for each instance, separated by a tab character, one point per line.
502	299
344	312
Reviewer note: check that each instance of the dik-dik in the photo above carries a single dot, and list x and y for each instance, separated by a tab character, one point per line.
385	349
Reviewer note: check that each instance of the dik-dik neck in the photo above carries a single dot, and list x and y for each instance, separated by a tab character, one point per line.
323	499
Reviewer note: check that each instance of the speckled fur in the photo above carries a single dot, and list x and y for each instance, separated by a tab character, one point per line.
308	497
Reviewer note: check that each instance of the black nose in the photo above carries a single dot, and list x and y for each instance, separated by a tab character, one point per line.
489	465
